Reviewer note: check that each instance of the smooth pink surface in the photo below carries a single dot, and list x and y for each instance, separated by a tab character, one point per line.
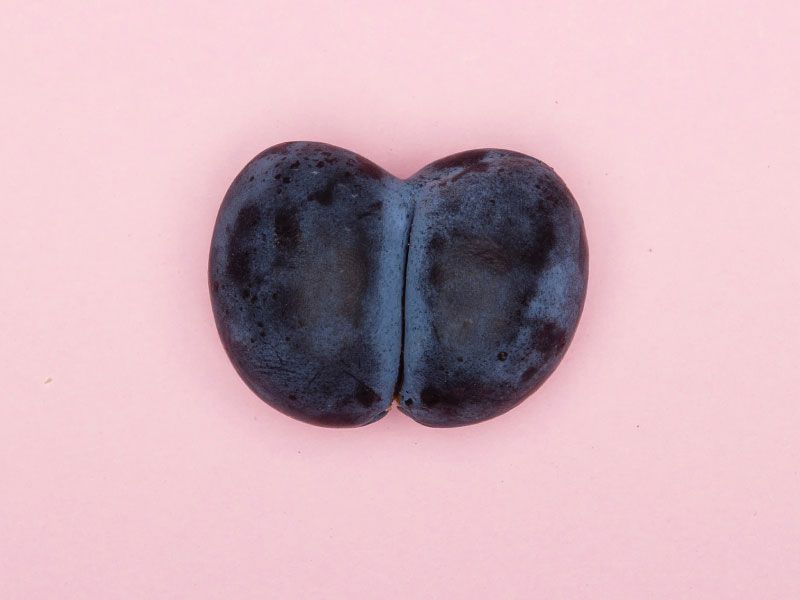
660	461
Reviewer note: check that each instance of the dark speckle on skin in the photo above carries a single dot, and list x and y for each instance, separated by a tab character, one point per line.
287	229
238	268
436	243
435	274
432	398
238	264
325	195
365	395
537	252
248	219
549	337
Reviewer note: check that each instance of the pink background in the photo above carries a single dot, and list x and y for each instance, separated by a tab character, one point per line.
662	460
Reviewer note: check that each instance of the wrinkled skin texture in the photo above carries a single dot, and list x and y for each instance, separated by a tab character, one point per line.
337	287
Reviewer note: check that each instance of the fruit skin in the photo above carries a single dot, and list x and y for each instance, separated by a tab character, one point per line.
334	284
497	275
306	278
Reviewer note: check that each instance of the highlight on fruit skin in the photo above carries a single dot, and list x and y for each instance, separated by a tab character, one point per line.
339	289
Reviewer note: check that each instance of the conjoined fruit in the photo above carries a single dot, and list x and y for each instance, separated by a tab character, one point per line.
337	287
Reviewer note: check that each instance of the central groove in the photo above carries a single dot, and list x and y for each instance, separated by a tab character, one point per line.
401	367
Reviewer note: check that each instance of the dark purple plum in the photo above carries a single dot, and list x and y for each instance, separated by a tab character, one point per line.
337	287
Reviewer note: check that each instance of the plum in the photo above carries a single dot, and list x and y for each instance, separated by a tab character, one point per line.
338	288
495	283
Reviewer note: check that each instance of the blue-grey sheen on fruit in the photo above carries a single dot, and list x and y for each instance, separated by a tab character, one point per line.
337	287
